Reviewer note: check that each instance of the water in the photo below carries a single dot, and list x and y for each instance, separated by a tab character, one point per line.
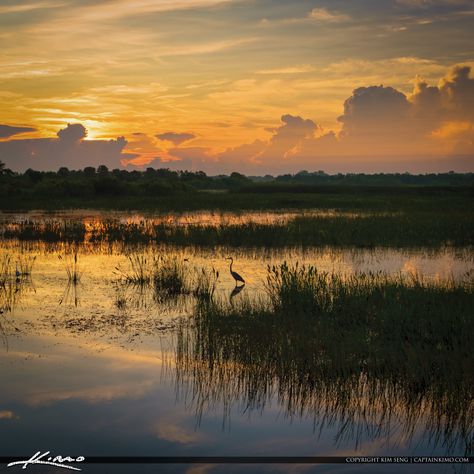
92	368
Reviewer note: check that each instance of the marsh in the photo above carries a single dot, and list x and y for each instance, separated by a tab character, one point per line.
326	349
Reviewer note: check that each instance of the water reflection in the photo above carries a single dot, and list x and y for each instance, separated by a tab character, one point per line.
361	381
143	370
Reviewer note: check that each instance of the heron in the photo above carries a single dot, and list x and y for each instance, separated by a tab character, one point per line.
235	275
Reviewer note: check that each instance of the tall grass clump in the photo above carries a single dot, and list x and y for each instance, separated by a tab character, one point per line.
369	353
141	269
166	275
170	277
25	264
205	284
14	281
5	269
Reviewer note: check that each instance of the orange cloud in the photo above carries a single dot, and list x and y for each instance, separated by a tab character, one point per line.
378	123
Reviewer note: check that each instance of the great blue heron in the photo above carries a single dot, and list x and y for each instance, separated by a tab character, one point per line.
235	275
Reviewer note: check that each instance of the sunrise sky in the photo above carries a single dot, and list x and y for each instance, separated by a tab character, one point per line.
262	86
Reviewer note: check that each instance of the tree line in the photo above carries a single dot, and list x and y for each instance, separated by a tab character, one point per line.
90	182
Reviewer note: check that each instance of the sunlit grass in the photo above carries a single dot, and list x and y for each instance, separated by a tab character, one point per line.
405	229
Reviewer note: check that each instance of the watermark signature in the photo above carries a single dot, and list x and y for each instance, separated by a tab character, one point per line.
45	458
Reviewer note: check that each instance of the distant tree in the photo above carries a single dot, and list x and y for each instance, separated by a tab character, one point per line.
34	176
89	171
63	172
103	170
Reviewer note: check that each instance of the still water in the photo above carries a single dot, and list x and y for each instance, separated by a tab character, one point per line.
95	368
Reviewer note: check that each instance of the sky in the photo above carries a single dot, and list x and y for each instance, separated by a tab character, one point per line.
254	86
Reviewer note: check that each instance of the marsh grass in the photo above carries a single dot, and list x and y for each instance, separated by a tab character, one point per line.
13	285
5	269
170	277
398	229
71	265
49	230
205	284
371	354
25	264
140	271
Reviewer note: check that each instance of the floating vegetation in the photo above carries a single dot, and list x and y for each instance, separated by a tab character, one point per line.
376	354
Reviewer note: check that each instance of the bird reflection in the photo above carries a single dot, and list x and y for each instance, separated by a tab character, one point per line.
236	291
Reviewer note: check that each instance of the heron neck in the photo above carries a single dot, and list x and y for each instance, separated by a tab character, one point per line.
231	262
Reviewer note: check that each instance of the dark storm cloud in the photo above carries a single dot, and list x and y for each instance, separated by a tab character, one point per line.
176	138
69	149
7	131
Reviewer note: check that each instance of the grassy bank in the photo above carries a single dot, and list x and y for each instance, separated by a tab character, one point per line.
369	353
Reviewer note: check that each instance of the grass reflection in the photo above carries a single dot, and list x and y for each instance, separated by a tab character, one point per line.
373	355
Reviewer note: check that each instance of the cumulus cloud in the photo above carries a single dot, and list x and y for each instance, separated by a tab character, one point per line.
381	128
7	131
70	149
378	121
365	108
457	91
176	138
72	133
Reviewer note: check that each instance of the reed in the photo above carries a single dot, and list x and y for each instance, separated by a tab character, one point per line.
400	229
71	265
140	271
370	353
205	284
170	277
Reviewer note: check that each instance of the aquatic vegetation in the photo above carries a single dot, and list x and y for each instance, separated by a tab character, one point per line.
72	266
374	353
14	280
140	271
25	264
170	277
205	284
5	269
398	229
51	230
